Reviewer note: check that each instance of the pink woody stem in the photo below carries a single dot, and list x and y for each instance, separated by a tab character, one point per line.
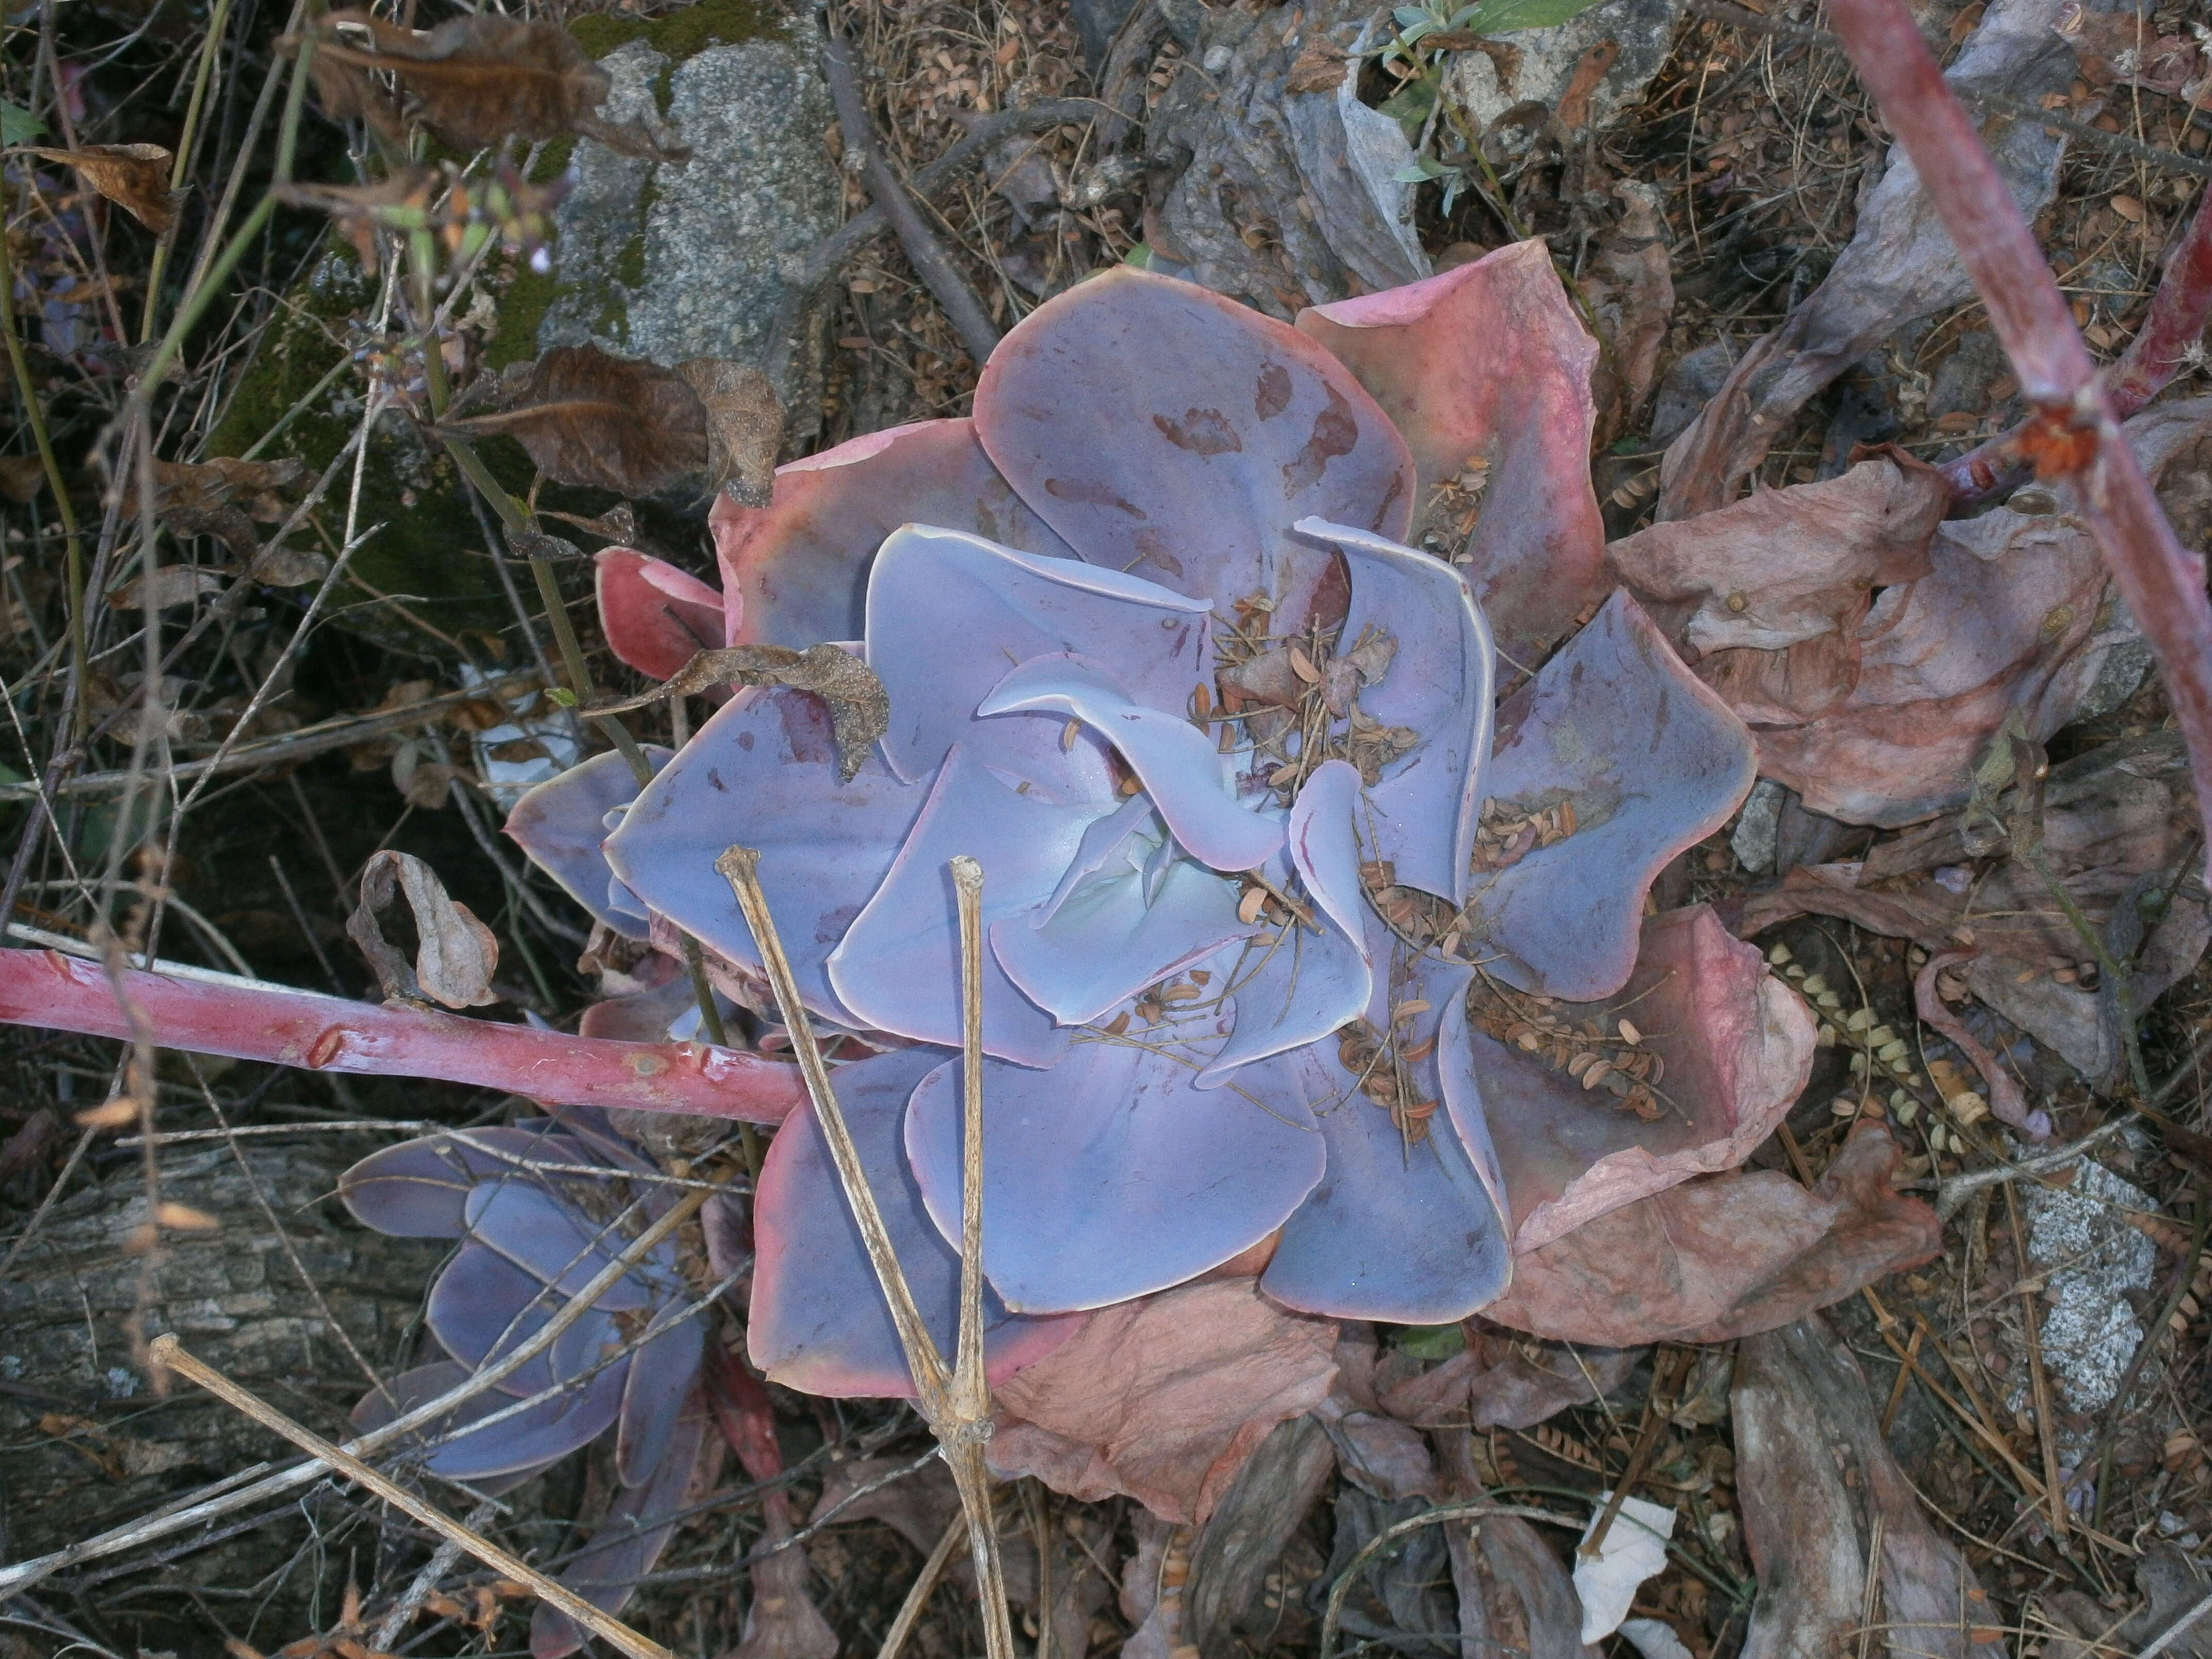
247	1021
2074	434
2179	313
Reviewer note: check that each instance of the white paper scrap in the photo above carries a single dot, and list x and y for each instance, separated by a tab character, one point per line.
1635	1549
1653	1638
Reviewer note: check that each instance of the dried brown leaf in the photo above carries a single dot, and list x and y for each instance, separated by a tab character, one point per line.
134	177
744	426
473	81
589	418
454	960
859	711
1164	1397
21	476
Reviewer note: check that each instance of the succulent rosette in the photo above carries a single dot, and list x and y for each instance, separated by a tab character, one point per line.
1188	638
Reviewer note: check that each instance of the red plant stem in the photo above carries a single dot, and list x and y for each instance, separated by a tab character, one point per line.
2075	433
46	989
2179	313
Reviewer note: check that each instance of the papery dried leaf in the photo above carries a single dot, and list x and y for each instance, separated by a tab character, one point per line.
1164	1397
1244	1539
859	713
1823	1499
456	955
222	497
474	81
1723	1255
1505	1381
1629	289
745	426
1784	566
21	477
134	177
359	210
172	584
589	418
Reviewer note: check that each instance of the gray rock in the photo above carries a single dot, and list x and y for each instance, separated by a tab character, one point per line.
2079	1236
1759	827
1642	30
669	260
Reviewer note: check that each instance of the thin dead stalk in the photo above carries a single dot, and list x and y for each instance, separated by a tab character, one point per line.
2075	433
167	1351
954	1400
949	1546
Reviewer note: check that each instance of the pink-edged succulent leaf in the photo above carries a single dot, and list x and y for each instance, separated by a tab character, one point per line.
1438	686
637	1527
1297	986
563	823
1650	761
897	966
819	1321
1164	1398
1213	430
1784	566
247	1020
1190	782
1407	1224
2008	600
762	773
1110	1175
420	1189
1724	1255
655	617
1736	1045
796	573
998	608
1487	366
539	1434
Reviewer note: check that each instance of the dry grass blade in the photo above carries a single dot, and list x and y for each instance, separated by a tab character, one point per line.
167	1351
956	1403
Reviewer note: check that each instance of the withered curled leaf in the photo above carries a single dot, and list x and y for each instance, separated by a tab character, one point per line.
472	80
454	961
21	476
134	177
860	710
222	498
589	418
745	426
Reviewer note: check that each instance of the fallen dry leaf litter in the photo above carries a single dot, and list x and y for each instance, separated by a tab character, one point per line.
1999	1448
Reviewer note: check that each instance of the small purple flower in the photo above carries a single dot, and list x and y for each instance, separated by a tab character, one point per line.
1160	654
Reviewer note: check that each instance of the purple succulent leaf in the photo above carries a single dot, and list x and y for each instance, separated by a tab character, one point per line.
420	1189
1651	761
1297	990
482	1305
563	822
591	1125
817	1322
898	966
1737	1047
1439	686
1401	1228
629	1541
1488	364
1108	941
763	773
1110	1175
933	587
797	572
552	1241
1189	781
538	1435
661	1373
1211	429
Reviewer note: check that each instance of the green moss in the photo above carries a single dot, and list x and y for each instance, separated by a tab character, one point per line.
521	308
429	551
684	33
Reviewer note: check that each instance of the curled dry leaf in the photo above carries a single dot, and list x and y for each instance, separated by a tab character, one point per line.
1163	1397
859	712
1723	1255
1244	1537
223	498
745	426
21	477
589	418
473	81
1505	1380
454	961
1822	1499
1629	287
134	177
